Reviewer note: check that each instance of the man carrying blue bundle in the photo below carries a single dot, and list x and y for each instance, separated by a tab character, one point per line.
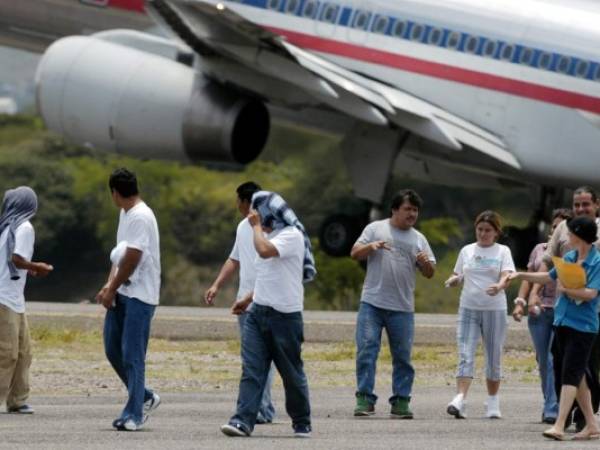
17	238
274	329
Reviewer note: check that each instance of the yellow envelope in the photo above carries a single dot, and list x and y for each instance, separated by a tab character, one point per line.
571	275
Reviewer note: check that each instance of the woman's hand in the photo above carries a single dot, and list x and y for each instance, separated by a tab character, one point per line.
493	289
452	281
518	312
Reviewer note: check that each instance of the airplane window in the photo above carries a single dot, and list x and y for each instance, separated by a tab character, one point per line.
274	4
471	45
545	60
399	28
435	36
417	32
526	56
330	13
380	25
454	40
582	69
507	52
597	73
563	64
361	19
310	8
489	49
292	6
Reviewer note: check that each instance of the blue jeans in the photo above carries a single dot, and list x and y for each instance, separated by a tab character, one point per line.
400	331
272	336
126	333
541	330
266	413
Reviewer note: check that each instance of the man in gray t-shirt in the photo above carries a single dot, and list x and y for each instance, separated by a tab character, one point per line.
394	251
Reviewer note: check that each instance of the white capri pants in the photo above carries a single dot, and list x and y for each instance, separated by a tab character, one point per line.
473	324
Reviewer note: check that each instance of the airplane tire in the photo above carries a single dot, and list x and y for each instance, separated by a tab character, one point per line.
338	234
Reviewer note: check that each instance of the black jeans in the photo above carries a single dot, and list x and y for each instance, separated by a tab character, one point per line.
272	336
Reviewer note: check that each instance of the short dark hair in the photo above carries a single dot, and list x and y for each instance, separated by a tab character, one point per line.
246	190
406	195
586	190
124	182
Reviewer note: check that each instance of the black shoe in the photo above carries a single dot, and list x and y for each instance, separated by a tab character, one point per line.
118	423
302	431
234	430
549	420
23	409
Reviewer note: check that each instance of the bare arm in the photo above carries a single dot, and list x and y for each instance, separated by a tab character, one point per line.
361	251
426	267
532	277
37	269
230	267
127	266
501	284
263	247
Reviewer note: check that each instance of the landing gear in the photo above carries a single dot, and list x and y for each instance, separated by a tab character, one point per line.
339	232
522	240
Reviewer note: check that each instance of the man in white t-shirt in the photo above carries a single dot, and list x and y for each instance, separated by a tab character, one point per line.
130	297
242	258
394	251
17	238
274	328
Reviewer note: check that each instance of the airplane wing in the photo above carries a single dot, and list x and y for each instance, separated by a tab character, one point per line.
237	51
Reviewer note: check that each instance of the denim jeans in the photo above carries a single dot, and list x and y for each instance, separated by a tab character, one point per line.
126	333
266	413
272	336
400	330
541	330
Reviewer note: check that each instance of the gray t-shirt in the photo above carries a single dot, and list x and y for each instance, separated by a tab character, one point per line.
390	280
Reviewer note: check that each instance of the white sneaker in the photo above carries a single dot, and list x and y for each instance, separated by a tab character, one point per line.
132	425
457	407
152	404
493	407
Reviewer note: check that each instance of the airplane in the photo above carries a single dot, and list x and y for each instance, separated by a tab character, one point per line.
495	94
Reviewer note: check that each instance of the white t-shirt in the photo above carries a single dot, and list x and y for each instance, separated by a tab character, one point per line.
279	279
138	228
244	252
480	268
11	291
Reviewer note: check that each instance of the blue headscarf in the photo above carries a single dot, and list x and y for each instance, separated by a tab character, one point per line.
276	214
19	205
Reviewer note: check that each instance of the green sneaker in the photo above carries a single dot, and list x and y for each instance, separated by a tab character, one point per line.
400	409
363	407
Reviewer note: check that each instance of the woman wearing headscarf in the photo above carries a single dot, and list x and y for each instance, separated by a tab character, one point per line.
17	238
575	328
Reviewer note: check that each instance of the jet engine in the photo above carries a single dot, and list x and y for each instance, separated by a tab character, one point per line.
118	98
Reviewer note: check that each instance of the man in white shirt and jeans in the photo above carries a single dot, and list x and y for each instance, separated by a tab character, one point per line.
130	297
17	238
242	257
274	328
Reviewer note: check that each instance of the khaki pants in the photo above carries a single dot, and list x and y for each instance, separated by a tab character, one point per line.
15	358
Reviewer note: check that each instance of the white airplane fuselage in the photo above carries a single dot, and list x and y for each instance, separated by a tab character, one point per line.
527	71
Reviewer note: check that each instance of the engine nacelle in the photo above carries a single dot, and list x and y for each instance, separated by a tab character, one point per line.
121	99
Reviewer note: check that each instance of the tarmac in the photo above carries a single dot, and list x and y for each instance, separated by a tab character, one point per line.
205	323
192	421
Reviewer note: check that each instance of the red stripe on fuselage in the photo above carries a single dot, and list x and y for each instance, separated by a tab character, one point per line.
130	5
443	71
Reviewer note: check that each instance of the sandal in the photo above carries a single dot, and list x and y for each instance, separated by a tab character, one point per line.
551	433
586	436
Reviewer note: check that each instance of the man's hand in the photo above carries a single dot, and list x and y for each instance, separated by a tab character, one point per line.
106	297
210	294
253	217
422	259
40	270
379	245
241	305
